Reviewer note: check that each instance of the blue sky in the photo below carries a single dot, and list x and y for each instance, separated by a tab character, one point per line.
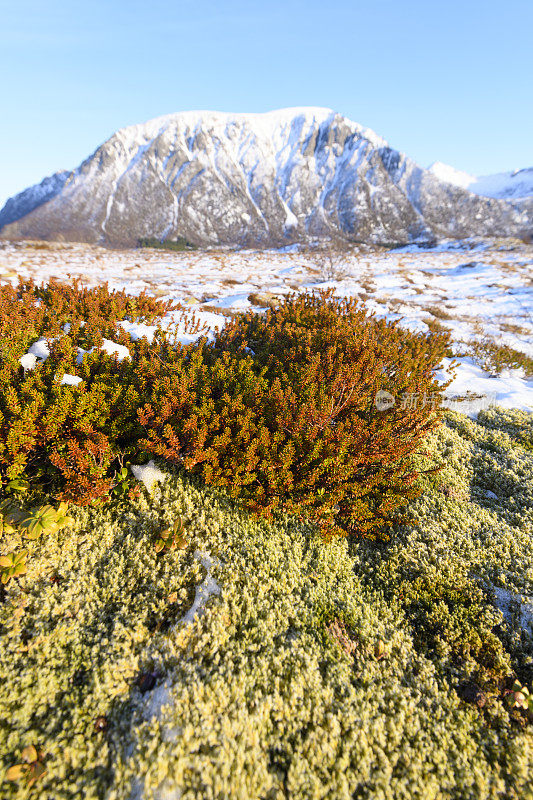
449	81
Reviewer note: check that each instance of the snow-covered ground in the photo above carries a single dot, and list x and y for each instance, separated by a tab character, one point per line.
476	290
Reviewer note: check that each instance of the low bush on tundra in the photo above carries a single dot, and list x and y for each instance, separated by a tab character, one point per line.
280	409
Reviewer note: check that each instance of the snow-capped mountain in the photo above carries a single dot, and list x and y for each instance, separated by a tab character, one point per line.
252	179
502	185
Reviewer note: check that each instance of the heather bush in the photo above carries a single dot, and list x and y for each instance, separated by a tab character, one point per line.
280	409
339	456
494	357
66	439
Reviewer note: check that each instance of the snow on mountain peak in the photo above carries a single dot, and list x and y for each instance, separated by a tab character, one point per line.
269	179
451	175
265	124
502	185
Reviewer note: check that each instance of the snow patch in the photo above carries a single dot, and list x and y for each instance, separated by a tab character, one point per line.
28	361
208	587
108	347
111	348
37	354
40	349
148	473
70	380
473	389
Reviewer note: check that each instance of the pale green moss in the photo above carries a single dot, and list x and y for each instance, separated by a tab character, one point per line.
255	699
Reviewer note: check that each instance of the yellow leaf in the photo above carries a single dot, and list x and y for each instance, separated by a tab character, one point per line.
15	773
29	754
8	528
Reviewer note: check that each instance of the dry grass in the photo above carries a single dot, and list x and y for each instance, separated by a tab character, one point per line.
494	357
226	312
517	330
439	312
435	326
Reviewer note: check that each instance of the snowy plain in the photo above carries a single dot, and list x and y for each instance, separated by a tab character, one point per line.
475	289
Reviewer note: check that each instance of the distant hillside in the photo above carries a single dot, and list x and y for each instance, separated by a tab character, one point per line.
502	185
253	180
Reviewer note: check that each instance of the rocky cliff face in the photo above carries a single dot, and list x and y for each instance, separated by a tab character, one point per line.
252	180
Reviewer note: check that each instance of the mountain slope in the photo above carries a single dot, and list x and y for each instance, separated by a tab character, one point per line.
502	185
252	179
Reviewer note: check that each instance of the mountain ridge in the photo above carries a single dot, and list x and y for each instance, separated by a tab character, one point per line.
512	185
216	178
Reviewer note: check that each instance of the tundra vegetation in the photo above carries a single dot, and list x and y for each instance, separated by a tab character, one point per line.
203	639
279	409
178	244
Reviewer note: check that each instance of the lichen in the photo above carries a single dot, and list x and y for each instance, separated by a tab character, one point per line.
255	698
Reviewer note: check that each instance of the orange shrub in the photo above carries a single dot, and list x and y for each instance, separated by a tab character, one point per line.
295	426
280	409
68	438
